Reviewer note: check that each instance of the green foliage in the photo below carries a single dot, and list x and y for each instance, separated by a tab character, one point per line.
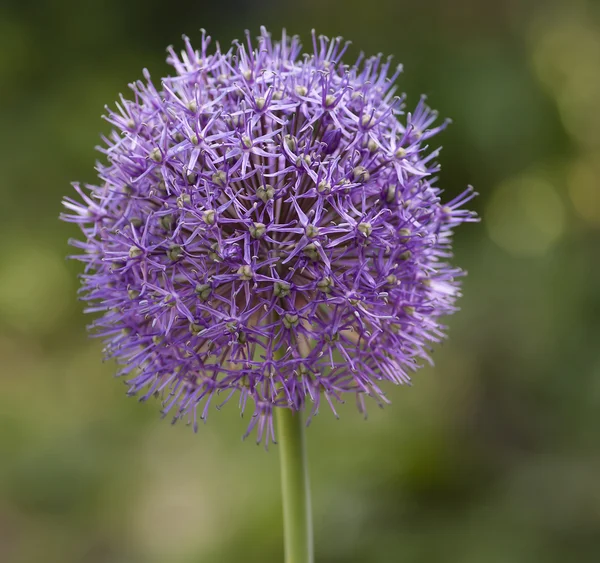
492	456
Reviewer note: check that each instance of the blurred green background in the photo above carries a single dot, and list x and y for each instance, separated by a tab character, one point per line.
491	457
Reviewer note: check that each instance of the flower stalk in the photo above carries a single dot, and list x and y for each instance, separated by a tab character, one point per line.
295	488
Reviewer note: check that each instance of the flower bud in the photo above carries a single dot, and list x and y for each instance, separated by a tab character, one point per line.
219	178
257	230
365	228
265	192
183	200
311	231
166	222
135	251
155	155
361	175
175	252
290	320
209	216
310	251
281	289
245	273
324	187
203	291
325	284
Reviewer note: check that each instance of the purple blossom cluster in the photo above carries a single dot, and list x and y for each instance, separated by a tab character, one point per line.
267	226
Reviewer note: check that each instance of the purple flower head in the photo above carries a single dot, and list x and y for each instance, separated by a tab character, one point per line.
267	227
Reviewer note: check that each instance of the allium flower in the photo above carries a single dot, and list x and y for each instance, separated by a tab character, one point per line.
268	227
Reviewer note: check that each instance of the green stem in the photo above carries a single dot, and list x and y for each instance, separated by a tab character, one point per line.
297	520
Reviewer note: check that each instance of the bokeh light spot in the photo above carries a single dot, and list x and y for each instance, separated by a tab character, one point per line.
566	58
525	216
584	188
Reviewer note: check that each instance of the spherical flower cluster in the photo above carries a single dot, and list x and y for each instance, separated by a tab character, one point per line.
267	227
